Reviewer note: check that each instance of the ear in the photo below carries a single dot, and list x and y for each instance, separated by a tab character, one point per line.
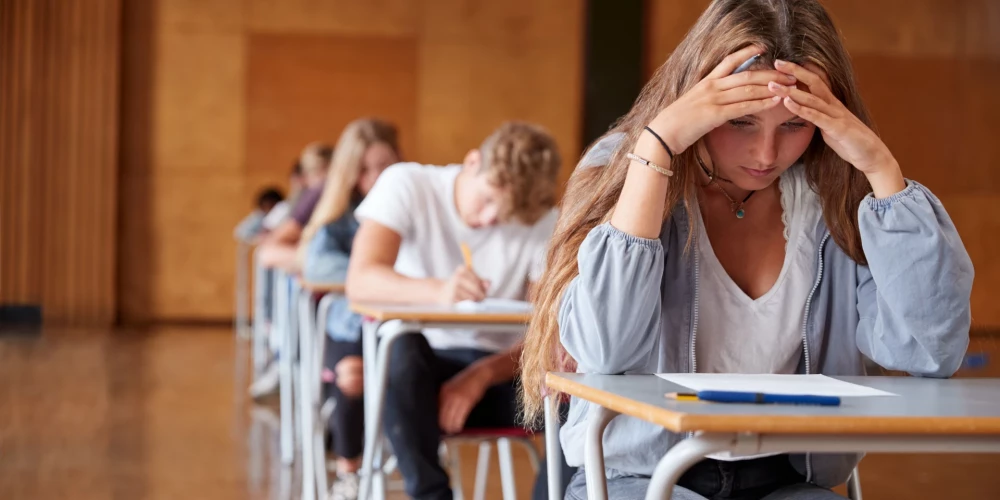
473	160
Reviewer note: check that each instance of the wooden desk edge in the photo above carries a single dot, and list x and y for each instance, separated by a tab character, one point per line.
338	288
675	421
672	421
381	312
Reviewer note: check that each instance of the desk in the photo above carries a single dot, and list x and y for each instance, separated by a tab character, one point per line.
929	416
387	323
447	317
262	279
286	324
312	342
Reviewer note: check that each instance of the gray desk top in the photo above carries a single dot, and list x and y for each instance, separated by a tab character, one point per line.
954	406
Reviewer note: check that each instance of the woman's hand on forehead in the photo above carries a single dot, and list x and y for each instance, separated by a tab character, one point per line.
842	131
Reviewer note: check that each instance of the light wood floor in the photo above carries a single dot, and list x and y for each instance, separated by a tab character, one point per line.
162	414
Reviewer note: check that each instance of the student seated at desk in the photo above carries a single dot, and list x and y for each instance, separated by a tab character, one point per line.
786	240
252	226
283	209
278	251
407	250
365	149
279	247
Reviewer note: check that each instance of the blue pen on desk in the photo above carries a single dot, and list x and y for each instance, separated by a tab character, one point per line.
757	398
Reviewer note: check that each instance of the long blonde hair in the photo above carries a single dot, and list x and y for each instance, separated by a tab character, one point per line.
345	167
795	30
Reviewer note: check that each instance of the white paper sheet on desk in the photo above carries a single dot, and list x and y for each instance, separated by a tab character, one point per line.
816	385
495	306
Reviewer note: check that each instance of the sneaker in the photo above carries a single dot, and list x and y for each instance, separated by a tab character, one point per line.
345	487
266	384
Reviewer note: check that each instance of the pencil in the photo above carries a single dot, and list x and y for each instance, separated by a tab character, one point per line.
680	396
467	254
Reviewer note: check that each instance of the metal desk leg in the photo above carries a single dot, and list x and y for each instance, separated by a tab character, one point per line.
553	450
597	421
854	486
369	342
242	290
375	387
680	458
259	352
285	355
319	425
306	375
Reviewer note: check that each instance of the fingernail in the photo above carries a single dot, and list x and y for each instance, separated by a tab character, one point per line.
779	62
776	86
791	78
788	100
776	98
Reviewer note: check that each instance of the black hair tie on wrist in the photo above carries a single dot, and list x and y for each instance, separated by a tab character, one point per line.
662	142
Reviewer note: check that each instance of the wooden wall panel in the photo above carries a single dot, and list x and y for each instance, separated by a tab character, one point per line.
392	18
940	123
136	245
486	62
666	24
17	268
926	28
195	268
58	138
982	37
199	16
303	88
199	104
183	164
929	72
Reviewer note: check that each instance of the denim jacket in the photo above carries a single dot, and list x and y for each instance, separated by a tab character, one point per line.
326	261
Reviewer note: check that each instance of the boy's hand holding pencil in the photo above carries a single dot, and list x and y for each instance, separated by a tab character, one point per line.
464	284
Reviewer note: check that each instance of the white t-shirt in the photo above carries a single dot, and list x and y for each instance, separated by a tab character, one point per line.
737	334
418	202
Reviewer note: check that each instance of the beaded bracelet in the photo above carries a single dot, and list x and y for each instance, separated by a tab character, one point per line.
657	168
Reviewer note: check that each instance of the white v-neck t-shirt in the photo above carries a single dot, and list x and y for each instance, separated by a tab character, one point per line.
737	334
418	202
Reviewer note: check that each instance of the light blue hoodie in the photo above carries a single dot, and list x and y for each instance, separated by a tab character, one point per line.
907	310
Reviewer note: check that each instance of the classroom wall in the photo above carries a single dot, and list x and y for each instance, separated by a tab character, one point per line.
58	157
929	70
219	96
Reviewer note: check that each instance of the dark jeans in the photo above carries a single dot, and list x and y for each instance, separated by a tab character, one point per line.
347	423
741	479
416	373
768	478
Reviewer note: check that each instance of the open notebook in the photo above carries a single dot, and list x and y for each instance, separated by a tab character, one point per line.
495	306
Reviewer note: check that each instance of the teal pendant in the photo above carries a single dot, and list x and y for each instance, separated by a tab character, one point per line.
740	213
